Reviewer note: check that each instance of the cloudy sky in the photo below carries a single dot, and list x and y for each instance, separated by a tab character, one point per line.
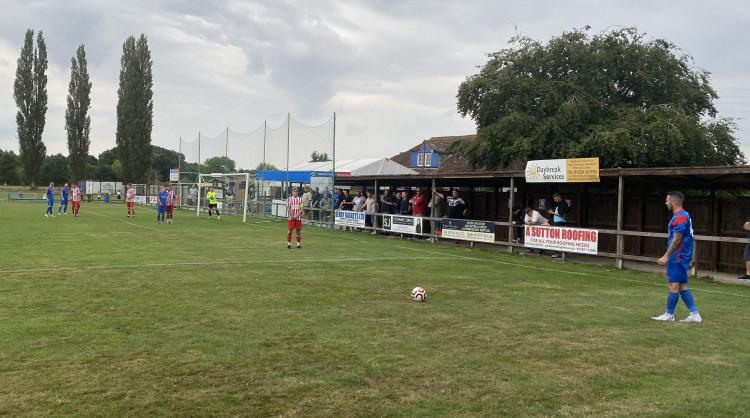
389	69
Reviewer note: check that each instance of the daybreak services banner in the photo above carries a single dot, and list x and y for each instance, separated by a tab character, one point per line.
572	170
569	240
467	230
349	218
403	224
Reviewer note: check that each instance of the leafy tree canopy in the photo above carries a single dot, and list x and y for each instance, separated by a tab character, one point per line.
631	102
55	168
315	157
218	165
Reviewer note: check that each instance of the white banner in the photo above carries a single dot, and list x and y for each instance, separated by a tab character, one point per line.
174	174
569	240
403	224
350	218
139	199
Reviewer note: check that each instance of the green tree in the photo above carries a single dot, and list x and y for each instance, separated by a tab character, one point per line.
166	159
55	168
315	157
77	119
218	165
266	167
104	168
135	110
616	96
30	94
9	168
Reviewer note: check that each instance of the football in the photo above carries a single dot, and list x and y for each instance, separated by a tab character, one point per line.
418	294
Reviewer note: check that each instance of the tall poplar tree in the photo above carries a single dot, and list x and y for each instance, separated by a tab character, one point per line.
30	93
77	119
135	110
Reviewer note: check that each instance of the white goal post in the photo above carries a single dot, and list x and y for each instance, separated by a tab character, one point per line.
206	179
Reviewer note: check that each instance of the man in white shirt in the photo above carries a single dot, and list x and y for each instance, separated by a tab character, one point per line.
534	218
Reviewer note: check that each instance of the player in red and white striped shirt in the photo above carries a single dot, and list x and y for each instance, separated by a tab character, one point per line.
294	220
129	195
170	203
75	197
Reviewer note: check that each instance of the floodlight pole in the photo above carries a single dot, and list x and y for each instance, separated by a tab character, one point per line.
288	130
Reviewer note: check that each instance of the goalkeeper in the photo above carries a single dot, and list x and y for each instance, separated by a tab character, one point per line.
212	203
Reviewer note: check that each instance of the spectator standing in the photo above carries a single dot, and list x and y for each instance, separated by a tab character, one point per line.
457	207
370	208
436	209
306	200
326	204
358	201
315	204
559	212
418	203
193	194
746	254
386	205
404	209
677	259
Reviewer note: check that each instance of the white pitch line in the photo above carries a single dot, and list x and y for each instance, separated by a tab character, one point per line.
213	263
125	222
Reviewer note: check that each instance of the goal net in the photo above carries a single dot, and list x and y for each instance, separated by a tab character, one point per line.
231	193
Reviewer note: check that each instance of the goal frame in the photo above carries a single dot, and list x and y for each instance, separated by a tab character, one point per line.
223	176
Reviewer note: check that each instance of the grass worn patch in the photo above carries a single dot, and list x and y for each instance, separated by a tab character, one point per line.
108	315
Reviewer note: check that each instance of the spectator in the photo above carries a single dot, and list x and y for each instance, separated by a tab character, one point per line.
193	194
386	205
517	219
559	212
315	204
436	209
370	208
337	195
358	201
397	203
746	254
457	208
347	203
418	203
404	208
534	218
306	199
326	204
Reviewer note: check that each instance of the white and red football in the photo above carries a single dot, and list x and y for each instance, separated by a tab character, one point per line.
418	294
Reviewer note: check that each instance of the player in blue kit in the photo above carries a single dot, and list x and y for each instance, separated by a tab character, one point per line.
161	204
63	199
50	194
677	259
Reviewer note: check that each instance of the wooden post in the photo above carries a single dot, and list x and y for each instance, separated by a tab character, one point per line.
620	239
511	228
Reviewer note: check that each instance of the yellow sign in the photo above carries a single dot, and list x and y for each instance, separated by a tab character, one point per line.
572	170
583	170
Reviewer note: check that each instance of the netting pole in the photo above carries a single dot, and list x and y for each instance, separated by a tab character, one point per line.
200	181
199	160
333	165
288	130
226	153
244	205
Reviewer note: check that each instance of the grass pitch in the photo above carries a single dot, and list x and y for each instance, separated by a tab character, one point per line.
105	315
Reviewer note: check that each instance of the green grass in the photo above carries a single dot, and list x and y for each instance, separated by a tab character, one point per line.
104	315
